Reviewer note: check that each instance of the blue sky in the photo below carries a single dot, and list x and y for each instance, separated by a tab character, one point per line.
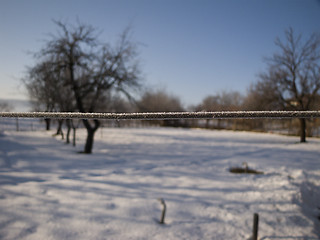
193	48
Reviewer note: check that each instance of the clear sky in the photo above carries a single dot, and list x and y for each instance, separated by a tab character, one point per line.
193	48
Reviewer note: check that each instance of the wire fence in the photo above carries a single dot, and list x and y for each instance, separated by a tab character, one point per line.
166	115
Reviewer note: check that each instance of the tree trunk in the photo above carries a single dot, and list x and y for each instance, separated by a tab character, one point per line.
74	136
48	121
59	129
68	131
89	141
303	129
74	132
90	134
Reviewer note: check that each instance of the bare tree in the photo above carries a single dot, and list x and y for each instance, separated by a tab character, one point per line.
91	69
47	91
292	80
42	83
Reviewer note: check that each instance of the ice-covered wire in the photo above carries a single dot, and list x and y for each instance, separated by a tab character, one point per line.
166	115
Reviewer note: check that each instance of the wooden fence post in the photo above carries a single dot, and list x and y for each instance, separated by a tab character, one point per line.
163	210
255	226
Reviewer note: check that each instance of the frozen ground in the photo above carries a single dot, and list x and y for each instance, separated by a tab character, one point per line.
48	191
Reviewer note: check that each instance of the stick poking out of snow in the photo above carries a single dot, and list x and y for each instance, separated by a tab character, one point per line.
163	214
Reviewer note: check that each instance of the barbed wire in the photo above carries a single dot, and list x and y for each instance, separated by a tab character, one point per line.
166	115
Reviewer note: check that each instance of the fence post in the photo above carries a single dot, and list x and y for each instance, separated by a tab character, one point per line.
164	208
255	226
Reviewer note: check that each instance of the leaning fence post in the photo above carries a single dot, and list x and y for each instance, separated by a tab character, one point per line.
163	203
255	226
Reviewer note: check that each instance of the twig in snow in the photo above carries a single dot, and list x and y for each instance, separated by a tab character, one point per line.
163	210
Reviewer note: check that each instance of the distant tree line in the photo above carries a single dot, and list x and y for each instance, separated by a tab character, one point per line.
5	106
291	82
75	71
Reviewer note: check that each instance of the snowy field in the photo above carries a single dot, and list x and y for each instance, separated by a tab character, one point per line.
49	191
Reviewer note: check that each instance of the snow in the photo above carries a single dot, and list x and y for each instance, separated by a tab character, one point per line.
49	191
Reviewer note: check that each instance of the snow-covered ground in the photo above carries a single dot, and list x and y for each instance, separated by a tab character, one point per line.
49	191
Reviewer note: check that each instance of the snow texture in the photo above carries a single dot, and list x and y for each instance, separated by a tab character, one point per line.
49	191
